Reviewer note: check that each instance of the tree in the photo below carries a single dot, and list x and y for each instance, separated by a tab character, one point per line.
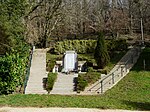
41	20
12	45
101	54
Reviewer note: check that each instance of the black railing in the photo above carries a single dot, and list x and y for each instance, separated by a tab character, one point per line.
28	69
119	72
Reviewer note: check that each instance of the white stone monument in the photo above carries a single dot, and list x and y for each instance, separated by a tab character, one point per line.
70	62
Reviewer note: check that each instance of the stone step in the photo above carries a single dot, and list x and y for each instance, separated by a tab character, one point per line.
64	84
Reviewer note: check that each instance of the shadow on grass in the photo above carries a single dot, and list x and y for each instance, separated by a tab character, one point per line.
138	105
139	66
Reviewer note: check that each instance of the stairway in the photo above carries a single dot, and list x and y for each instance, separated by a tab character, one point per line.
37	73
120	70
65	84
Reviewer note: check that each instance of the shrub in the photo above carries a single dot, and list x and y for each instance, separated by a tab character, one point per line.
82	83
50	81
12	72
50	65
86	79
80	46
88	46
120	45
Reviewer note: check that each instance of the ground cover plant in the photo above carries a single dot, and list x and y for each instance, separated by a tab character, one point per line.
87	79
130	93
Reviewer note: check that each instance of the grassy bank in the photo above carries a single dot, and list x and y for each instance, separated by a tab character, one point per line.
133	92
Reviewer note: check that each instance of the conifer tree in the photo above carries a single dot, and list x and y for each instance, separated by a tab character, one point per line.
101	54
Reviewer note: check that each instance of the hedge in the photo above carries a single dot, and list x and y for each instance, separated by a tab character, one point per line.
88	46
80	46
50	81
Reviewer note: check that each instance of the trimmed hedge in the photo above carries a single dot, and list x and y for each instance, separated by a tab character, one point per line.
88	46
50	81
80	46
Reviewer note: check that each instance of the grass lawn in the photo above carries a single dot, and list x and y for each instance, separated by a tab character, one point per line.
133	92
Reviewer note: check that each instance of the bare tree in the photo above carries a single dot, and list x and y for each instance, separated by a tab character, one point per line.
42	19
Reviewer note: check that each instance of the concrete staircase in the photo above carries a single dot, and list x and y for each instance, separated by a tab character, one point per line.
37	73
120	70
65	84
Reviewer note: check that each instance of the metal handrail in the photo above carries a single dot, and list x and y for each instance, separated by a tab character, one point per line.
120	65
28	69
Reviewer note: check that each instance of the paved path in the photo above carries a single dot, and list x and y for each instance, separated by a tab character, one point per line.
37	73
65	84
11	109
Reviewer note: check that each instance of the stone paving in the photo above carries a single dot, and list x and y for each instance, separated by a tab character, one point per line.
35	83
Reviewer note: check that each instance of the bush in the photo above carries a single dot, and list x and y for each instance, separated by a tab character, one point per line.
80	46
120	45
50	65
88	46
86	79
50	81
12	72
82	83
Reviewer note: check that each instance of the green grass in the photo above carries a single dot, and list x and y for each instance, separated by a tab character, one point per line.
133	93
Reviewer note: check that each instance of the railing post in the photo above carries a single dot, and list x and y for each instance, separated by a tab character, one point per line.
113	80
121	70
101	86
131	58
126	67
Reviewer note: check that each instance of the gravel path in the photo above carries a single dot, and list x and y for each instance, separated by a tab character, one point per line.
11	109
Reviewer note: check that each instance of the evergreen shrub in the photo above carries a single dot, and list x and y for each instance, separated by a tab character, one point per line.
88	46
50	81
80	46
